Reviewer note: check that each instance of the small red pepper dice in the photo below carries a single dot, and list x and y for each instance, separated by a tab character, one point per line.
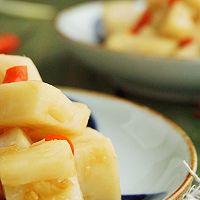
16	74
186	41
171	2
9	42
144	20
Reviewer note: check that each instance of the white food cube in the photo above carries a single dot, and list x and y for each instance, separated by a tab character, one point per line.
41	108
44	161
14	136
179	21
141	44
97	166
45	170
118	16
46	190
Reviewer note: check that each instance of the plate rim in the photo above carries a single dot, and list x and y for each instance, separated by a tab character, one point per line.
179	130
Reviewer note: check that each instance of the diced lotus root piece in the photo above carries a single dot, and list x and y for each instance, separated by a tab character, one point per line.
7	61
179	22
96	165
45	171
119	16
41	108
46	190
14	136
146	44
42	161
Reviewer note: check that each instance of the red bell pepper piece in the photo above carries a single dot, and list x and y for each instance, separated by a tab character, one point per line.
59	137
16	74
143	21
186	41
9	42
171	2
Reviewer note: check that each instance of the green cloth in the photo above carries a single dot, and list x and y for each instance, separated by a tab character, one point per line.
45	46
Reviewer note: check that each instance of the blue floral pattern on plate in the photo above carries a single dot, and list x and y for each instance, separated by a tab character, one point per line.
158	196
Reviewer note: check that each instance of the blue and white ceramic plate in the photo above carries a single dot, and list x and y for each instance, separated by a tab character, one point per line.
150	147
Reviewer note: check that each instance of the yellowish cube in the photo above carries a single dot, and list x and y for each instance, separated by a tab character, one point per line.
46	190
97	167
146	44
179	21
119	16
40	162
41	108
14	136
44	171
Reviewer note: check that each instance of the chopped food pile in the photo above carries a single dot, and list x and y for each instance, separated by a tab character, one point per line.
167	28
46	150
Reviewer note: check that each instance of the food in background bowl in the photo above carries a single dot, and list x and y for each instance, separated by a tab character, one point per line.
46	150
168	28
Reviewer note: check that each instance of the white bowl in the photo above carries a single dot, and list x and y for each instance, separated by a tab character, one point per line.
150	147
149	76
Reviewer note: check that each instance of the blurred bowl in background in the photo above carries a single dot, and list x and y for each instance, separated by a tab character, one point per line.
164	78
